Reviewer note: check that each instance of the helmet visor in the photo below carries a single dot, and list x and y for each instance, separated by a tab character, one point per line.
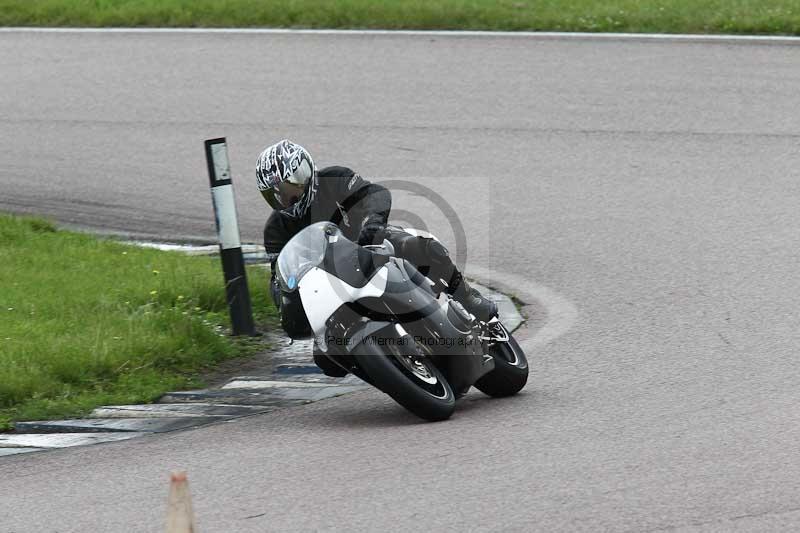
284	196
269	196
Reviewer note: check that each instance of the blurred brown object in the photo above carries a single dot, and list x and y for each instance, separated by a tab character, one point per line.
180	517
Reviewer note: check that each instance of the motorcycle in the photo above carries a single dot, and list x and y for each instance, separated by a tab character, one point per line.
376	316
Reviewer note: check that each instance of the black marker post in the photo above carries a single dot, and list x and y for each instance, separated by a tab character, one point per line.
230	245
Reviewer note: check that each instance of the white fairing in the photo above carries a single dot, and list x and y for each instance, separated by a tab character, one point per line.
322	294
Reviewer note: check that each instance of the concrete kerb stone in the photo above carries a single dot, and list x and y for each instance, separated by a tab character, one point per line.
275	396
175	410
62	440
139	425
16	451
256	383
246	397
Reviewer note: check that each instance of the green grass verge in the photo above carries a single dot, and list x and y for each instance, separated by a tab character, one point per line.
86	322
670	16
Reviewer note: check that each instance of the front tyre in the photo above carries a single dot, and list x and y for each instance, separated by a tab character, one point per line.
413	381
510	372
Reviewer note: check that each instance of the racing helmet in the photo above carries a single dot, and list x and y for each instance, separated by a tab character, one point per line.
282	172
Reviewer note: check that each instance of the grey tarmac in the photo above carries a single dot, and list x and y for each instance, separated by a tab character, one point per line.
648	190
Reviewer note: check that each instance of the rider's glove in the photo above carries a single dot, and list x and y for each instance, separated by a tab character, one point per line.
372	233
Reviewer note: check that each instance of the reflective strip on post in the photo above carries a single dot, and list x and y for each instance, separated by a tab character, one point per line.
236	291
227	224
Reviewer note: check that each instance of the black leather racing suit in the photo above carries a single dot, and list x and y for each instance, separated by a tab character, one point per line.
361	210
334	194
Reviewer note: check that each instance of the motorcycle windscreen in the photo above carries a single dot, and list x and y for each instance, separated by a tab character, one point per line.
305	251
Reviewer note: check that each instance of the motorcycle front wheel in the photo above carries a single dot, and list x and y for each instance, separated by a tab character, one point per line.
510	372
413	381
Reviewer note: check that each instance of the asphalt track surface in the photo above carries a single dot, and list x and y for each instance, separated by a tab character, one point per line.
643	194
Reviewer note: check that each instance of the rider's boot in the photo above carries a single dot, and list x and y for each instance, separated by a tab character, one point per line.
473	301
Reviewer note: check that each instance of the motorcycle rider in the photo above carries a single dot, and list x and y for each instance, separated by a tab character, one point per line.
301	195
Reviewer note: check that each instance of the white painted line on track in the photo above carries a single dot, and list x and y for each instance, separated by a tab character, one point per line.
544	35
561	313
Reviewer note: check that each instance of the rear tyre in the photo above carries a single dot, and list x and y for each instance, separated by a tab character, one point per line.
510	372
412	381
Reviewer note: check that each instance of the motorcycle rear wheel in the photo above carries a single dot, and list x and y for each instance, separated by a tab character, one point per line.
510	372
412	381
